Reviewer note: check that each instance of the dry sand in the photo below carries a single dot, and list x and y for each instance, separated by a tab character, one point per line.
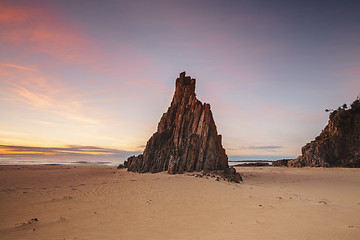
106	203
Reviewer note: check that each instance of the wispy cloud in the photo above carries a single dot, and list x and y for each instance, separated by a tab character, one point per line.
264	147
255	150
32	88
18	67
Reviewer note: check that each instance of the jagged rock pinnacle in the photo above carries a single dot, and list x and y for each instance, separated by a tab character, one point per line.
186	137
185	88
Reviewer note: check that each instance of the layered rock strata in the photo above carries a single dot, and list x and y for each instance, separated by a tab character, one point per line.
338	145
186	139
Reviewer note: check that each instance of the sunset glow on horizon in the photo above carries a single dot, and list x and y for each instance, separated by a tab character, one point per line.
93	78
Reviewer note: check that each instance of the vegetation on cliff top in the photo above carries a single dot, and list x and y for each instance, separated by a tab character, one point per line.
338	144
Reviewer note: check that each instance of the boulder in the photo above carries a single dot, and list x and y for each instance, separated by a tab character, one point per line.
121	166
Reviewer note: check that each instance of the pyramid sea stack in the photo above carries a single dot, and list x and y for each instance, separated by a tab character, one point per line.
186	139
338	145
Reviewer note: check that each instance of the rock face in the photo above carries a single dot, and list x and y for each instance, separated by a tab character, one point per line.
338	144
186	139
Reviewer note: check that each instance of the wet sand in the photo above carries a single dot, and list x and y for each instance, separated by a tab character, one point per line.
67	202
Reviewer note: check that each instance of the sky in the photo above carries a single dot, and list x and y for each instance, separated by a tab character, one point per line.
93	78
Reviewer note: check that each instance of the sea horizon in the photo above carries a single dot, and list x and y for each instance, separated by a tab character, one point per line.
109	161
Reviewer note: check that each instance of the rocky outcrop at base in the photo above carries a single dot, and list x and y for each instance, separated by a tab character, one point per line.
186	139
229	174
338	145
280	163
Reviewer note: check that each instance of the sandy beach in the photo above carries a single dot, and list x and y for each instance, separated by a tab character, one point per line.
68	202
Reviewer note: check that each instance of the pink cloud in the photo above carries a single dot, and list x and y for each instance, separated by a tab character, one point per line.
40	30
33	30
12	14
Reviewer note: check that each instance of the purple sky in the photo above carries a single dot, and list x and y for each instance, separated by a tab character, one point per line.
101	73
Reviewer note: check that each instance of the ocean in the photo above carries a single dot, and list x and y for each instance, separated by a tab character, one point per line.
102	160
71	161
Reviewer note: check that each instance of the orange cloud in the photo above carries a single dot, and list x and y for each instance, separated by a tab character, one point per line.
18	67
29	84
32	88
9	152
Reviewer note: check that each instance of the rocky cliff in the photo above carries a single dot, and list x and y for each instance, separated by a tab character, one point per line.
186	137
339	142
